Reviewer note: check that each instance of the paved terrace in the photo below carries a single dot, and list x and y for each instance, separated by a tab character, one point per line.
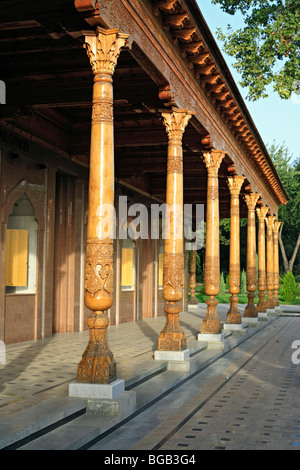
35	378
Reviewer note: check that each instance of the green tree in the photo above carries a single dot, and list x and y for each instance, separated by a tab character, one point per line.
243	285
267	47
222	284
288	290
289	232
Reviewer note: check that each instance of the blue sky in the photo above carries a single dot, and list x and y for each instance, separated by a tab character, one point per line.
276	120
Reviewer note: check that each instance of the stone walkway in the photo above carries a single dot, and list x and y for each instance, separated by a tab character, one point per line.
39	371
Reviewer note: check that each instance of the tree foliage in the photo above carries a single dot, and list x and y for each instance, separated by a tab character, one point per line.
267	47
288	290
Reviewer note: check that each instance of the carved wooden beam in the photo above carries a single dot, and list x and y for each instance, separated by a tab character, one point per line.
214	88
184	34
205	69
164	4
198	59
175	20
192	47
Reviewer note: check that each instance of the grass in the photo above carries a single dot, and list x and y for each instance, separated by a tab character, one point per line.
243	299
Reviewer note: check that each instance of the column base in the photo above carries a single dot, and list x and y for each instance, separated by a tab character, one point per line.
233	315
214	341
172	337
250	310
235	328
211	323
160	355
261	306
263	315
251	321
193	301
104	399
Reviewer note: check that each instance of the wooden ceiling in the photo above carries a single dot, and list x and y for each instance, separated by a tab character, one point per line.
49	90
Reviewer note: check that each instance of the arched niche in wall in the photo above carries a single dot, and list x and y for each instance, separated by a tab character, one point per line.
21	248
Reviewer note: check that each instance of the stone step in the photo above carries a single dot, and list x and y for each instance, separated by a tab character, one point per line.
150	382
21	427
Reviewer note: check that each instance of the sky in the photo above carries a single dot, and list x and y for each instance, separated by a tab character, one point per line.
277	120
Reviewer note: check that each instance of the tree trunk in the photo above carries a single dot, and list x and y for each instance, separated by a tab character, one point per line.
288	265
291	262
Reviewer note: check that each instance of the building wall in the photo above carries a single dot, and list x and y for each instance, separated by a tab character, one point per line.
58	192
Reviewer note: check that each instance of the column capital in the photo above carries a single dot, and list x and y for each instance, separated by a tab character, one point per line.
262	213
175	122
213	160
251	200
270	222
276	226
103	48
234	184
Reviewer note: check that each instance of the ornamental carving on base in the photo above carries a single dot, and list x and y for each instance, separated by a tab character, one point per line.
99	266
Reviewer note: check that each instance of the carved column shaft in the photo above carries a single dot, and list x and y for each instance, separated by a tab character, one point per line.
251	200
270	262
261	214
276	263
211	323
97	364
193	299
234	184
172	336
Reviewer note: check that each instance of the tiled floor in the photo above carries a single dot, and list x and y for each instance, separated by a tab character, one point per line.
37	370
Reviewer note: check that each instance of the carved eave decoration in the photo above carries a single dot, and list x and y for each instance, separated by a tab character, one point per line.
184	31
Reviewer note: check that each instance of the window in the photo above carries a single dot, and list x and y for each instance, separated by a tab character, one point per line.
128	265
21	249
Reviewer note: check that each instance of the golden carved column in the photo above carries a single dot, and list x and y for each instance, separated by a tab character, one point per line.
97	364
193	300
261	214
276	262
250	310
172	337
270	262
234	183
211	323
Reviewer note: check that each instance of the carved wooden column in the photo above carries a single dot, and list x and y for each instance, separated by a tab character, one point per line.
270	262
234	183
211	323
193	300
97	364
276	262
261	214
172	337
250	310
